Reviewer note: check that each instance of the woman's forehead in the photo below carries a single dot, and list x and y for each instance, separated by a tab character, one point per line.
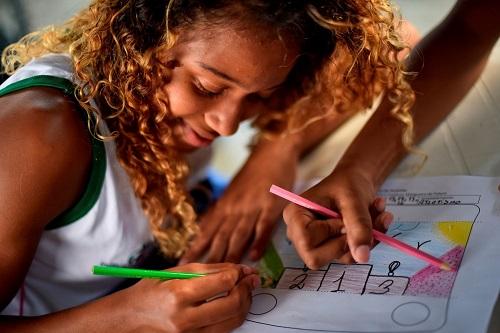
251	56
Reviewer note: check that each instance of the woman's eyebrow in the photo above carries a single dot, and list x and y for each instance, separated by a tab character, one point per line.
220	74
229	78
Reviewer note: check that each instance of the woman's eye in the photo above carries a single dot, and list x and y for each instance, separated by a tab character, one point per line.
261	98
200	89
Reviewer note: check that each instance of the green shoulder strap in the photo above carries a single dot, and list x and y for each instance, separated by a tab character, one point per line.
98	167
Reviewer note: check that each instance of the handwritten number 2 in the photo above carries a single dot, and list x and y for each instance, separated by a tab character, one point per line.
299	284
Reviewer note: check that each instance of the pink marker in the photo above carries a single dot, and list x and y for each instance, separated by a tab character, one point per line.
380	236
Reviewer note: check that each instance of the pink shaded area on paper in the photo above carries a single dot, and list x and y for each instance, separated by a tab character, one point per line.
432	281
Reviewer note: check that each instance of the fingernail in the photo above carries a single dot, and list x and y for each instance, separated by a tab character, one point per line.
380	204
247	270
387	220
254	255
343	231
361	254
255	281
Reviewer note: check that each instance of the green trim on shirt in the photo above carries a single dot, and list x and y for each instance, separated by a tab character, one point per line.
98	166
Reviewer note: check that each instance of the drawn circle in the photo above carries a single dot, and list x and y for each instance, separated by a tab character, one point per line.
410	314
263	303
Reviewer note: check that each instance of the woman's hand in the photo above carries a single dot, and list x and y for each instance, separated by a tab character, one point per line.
217	302
350	192
244	217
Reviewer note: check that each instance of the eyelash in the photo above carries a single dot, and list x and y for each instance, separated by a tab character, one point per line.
203	91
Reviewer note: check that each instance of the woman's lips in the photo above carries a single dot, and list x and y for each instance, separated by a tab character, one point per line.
193	138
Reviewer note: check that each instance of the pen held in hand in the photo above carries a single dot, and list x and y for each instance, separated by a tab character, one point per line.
381	237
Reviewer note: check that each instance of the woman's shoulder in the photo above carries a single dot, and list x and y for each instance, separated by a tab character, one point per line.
45	116
43	129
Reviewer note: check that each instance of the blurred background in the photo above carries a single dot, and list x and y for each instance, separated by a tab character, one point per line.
18	17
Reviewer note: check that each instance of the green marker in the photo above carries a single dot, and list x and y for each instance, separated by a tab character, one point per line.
136	273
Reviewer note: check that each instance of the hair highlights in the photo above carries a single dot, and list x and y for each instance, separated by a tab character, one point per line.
348	57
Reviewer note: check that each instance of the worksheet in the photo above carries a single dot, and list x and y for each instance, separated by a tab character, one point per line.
454	218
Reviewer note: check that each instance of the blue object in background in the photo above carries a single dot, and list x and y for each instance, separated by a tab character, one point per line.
218	181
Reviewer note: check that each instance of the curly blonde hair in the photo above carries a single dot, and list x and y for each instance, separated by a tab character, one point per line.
348	56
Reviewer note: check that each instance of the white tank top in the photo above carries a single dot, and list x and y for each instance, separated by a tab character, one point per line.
107	226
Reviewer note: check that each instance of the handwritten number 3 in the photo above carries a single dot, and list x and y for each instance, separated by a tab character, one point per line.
385	287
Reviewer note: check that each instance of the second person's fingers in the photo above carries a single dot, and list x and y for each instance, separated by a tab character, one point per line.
383	221
296	219
324	254
358	224
316	232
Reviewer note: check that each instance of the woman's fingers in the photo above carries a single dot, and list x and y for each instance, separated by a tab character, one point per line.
233	306
263	232
200	289
227	237
195	250
202	241
225	326
241	237
231	239
217	299
209	268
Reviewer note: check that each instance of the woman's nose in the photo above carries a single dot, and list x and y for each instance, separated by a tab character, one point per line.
225	119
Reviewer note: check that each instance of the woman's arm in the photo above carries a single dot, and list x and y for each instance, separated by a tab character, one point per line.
44	161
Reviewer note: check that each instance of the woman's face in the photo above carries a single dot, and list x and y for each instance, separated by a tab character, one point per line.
222	77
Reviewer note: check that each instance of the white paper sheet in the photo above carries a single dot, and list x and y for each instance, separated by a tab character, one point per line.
456	218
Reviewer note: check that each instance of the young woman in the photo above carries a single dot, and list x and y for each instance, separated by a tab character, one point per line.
100	115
